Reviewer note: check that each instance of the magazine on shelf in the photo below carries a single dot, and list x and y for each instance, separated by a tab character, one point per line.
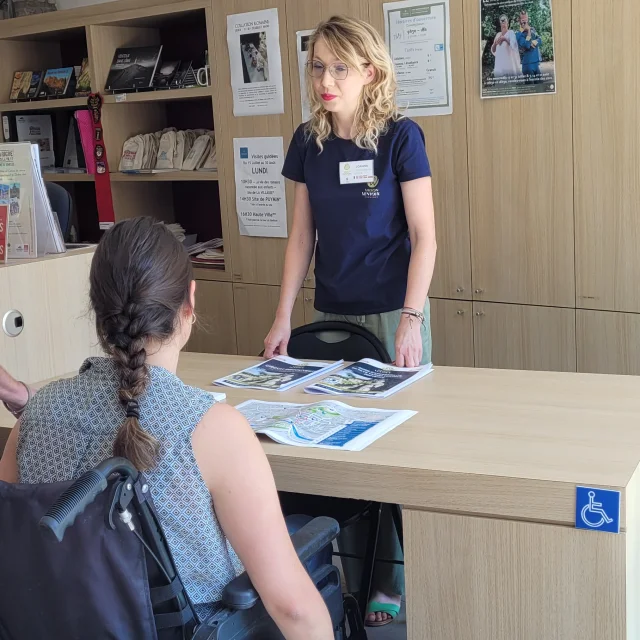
277	374
33	228
369	379
328	424
133	68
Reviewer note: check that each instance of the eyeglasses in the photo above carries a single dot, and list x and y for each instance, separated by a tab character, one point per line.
339	70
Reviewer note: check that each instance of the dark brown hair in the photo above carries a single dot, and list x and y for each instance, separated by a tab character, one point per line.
139	283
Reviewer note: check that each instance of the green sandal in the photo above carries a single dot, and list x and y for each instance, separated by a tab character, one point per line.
382	607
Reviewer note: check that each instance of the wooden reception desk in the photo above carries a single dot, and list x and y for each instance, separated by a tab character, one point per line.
487	473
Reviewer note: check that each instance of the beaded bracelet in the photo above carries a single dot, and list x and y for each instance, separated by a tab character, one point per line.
413	313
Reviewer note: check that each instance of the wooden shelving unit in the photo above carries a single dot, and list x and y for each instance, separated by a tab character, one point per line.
169	176
185	29
44	105
68	177
160	95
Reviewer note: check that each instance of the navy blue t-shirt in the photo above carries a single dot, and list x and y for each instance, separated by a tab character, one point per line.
362	252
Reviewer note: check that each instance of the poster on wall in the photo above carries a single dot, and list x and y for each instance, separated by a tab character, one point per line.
418	36
516	48
260	195
302	47
256	68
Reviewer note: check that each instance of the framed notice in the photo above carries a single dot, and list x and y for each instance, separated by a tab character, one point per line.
419	40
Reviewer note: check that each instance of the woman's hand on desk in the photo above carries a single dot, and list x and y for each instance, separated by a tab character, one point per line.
275	344
408	342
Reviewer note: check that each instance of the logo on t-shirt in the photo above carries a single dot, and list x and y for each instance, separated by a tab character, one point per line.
371	191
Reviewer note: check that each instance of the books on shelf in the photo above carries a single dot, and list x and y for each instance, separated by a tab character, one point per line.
327	424
277	374
33	228
83	81
369	379
58	83
37	129
133	68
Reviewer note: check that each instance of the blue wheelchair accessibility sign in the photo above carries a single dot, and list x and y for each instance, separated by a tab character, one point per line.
598	509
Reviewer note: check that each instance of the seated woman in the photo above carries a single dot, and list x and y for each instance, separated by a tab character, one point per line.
211	482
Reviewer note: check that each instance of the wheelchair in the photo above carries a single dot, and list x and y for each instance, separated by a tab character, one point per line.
97	566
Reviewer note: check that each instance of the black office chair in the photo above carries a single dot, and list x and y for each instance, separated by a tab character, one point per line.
111	574
62	205
355	343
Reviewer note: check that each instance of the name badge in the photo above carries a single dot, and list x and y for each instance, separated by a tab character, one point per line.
355	172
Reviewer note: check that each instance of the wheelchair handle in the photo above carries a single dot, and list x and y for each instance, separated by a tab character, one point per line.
82	493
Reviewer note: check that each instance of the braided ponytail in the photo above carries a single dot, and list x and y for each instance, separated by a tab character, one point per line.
140	279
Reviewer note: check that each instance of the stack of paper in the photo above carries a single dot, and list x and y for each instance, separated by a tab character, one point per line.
33	228
369	379
327	425
278	374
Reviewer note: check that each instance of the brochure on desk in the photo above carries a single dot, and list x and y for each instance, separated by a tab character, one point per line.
328	424
369	379
277	374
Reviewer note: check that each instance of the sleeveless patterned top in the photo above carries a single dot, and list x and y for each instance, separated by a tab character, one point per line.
69	427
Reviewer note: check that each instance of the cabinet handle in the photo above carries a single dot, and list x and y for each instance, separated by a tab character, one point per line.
307	279
460	312
307	299
479	291
460	290
479	313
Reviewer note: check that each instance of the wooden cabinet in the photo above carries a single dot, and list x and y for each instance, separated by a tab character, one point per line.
508	336
255	307
446	141
255	260
215	331
452	333
606	142
608	342
51	298
308	300
521	176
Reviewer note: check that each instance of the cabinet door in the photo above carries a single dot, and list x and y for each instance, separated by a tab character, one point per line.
308	299
254	260
608	342
215	331
607	151
446	141
255	310
451	332
521	180
58	333
510	336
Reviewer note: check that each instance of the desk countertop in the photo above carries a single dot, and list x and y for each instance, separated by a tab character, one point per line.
494	442
53	256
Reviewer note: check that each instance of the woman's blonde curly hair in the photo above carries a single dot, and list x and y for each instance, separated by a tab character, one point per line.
352	40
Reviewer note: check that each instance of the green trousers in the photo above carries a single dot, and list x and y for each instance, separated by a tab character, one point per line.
387	578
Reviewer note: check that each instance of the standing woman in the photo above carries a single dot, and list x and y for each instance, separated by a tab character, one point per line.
376	244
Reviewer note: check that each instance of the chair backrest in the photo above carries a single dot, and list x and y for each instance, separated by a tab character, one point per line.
333	340
99	581
62	204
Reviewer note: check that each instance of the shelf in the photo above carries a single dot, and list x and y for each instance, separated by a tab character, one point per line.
44	105
68	177
160	95
168	176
